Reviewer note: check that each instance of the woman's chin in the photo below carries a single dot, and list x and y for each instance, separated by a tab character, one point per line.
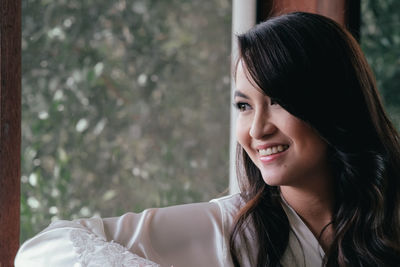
272	181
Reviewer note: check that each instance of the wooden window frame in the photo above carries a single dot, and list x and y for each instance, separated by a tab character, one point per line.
10	129
346	12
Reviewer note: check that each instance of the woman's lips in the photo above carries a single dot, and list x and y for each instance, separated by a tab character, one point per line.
270	154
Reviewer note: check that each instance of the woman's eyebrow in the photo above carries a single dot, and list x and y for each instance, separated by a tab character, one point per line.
240	94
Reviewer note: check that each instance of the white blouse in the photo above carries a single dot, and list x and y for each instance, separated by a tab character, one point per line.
191	235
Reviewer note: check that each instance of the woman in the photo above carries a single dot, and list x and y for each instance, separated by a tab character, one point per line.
340	172
318	163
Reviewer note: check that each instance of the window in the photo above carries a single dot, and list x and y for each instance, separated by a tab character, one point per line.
125	106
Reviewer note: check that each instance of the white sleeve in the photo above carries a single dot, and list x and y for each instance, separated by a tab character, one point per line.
76	243
185	235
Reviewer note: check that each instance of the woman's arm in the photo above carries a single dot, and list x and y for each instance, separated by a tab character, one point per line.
185	235
76	243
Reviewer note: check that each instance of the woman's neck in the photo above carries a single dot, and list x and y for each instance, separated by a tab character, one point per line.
315	207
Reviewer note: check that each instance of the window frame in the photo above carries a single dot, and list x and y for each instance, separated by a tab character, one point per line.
10	125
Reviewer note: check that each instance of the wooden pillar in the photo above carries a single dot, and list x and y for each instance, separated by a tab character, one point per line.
346	12
10	129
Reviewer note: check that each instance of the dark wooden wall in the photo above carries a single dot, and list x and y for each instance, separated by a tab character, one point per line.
346	12
10	128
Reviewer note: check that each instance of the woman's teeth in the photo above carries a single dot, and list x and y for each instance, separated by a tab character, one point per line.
273	150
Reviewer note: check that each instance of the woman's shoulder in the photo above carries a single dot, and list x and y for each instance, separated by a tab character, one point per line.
229	205
233	199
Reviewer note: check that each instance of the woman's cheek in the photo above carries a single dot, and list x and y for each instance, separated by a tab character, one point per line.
241	131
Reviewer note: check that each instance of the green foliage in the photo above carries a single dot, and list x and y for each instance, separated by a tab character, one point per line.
380	40
125	106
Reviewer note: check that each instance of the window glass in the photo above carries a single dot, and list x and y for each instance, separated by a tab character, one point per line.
125	106
380	40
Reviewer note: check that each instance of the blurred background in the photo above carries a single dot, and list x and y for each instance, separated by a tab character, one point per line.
380	41
126	104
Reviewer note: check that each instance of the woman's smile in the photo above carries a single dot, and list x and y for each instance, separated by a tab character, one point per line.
272	152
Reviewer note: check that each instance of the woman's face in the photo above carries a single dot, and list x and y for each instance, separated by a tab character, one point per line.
285	149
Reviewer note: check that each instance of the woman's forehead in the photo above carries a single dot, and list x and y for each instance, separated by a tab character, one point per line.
244	80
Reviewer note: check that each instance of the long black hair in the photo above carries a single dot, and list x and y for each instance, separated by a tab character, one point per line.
316	70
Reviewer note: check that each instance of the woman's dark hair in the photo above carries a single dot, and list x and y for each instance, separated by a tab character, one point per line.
316	70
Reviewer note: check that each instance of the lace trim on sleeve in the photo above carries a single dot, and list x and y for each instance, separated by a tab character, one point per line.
94	251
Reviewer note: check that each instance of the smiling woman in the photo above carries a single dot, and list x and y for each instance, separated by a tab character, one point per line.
304	83
318	164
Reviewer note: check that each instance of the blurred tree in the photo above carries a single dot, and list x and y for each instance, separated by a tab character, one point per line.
125	106
380	40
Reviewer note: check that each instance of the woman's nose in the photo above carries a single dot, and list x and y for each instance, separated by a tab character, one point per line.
261	126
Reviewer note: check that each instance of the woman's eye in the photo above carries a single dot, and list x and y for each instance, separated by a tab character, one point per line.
242	106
